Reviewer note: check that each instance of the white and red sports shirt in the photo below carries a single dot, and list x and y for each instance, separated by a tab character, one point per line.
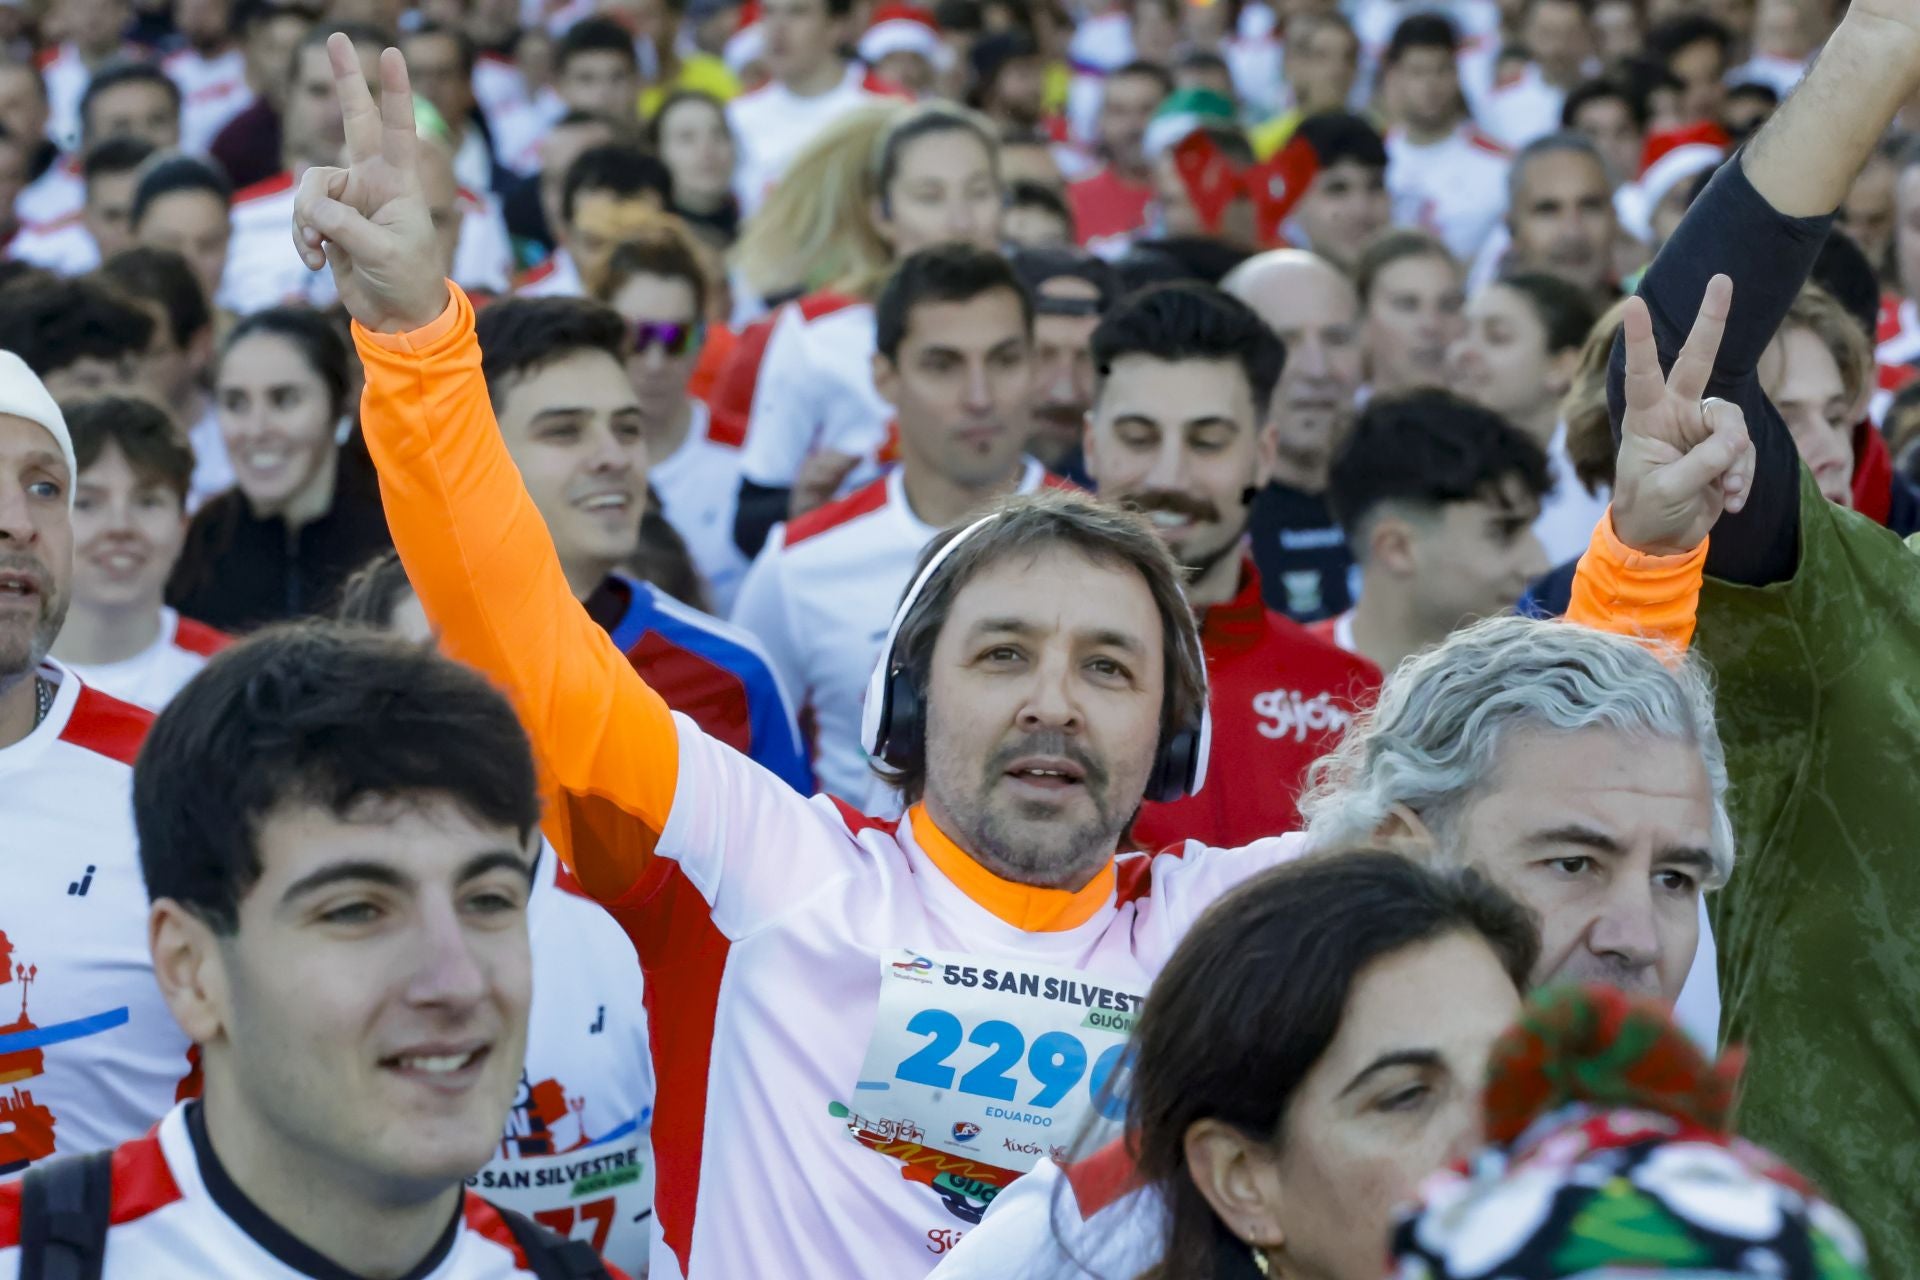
814	391
819	597
67	76
55	194
699	488
90	1056
1455	188
576	1153
177	1215
773	124
213	90
151	677
1066	1222
263	268
557	277
63	246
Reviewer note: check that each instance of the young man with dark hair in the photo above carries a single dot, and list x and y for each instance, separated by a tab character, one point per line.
1558	38
1444	174
596	74
1346	206
132	100
612	191
129	525
75	244
1113	201
248	147
1071	290
336	839
1438	498
178	357
657	284
181	204
93	35
1185	375
1036	217
210	69
442	58
261	271
1697	50
79	337
556	376
1614	119
954	338
812	84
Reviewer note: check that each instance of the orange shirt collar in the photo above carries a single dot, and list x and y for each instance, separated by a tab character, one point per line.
1024	906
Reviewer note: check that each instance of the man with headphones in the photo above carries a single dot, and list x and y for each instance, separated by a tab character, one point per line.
862	1030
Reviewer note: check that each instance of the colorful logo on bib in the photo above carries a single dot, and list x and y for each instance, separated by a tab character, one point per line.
965	1132
918	969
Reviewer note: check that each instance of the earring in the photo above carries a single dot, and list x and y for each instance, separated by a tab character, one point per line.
1260	1261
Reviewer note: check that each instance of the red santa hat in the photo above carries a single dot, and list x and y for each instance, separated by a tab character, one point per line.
1671	157
748	43
904	28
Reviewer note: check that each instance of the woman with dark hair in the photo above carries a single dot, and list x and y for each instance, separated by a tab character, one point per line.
1518	357
304	510
691	136
1313	1049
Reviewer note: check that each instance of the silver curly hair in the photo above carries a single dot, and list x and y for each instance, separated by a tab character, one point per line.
1433	738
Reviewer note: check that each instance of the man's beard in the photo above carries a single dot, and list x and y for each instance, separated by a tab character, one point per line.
993	835
19	661
1194	563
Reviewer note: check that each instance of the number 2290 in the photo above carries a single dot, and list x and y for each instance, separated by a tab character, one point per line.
1057	1060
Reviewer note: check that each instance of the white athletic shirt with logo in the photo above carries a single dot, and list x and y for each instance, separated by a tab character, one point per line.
178	1216
152	676
815	392
89	1054
576	1154
819	597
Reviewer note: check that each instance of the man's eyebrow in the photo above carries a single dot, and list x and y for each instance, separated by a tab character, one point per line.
1696	859
1575	834
1107	638
334	873
1389	1060
494	860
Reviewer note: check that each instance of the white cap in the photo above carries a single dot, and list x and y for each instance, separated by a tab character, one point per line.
23	395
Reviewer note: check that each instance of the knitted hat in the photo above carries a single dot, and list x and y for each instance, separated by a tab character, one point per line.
1184	112
23	395
904	28
1613	1158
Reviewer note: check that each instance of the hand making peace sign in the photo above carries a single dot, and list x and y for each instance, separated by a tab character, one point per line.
1682	460
370	221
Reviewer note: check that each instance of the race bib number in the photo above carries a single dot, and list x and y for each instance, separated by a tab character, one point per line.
602	1193
999	1064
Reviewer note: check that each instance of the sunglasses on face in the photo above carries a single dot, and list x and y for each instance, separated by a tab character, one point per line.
674	339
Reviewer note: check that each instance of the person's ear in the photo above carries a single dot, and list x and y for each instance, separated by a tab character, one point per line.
1391	545
886	379
1239	1179
1403	832
189	967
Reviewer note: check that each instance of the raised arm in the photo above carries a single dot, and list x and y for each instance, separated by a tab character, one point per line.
473	543
1762	221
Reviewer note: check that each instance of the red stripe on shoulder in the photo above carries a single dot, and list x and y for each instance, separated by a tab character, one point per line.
1481	142
198	637
1048	480
825	303
857	821
265	187
142	1183
859	503
1132	878
103	724
1103	1178
60	223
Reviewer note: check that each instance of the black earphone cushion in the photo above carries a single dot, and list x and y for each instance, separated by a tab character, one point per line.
903	723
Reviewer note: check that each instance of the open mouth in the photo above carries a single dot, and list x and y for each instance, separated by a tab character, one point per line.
443	1069
19	588
1049	774
604	503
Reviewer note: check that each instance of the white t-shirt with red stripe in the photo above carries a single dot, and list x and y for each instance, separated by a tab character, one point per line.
55	194
90	1056
813	974
213	90
151	677
819	597
177	1215
263	268
773	124
63	246
815	391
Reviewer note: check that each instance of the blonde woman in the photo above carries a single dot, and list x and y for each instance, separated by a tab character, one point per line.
878	185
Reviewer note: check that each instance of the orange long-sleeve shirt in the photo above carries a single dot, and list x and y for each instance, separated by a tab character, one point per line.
1618	589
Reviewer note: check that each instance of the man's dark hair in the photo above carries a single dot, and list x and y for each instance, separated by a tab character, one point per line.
322	715
1421	31
623	169
1427	449
1340	135
178	173
114	155
462	42
1842	270
1665	39
1187	321
163	277
247	14
116	74
1151	70
666	251
1764	94
1025	193
593	35
1605	89
51	324
520	335
942	273
143	433
1202	60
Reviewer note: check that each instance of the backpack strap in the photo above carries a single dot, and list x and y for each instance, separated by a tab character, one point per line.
65	1205
551	1256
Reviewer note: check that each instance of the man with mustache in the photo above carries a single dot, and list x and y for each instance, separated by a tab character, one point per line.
1071	290
1185	373
88	1051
